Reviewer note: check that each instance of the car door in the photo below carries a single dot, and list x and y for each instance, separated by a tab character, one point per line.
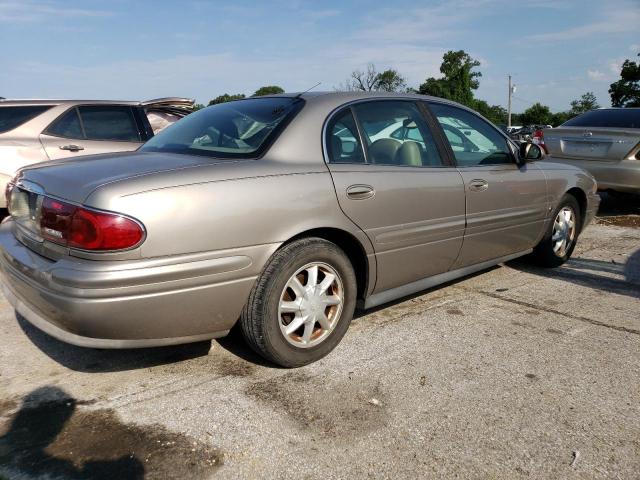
506	203
92	129
397	187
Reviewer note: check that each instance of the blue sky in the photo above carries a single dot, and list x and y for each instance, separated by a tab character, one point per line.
555	50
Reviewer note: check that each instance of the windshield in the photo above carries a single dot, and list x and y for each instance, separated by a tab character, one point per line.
613	117
234	129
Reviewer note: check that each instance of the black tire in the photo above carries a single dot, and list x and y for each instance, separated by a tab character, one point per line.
543	254
260	322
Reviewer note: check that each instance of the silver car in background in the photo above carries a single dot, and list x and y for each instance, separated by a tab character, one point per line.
33	131
280	213
605	142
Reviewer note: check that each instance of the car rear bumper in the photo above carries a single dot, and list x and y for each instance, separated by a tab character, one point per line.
133	303
621	176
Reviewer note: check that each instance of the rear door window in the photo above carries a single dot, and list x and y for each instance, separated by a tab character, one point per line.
13	116
67	125
343	142
109	123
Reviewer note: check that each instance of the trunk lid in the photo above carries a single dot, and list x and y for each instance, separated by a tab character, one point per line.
74	180
592	143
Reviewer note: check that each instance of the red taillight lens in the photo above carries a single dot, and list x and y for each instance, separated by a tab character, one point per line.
77	227
538	139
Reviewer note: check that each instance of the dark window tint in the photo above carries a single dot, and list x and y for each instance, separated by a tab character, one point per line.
109	123
396	134
473	140
614	117
343	143
13	117
68	125
242	128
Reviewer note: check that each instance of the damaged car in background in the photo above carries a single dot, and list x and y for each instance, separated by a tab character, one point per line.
33	131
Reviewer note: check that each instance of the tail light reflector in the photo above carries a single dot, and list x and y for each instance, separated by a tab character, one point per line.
77	227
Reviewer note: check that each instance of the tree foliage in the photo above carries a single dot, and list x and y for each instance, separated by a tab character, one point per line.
586	102
197	106
626	91
370	80
536	114
268	90
495	113
458	81
226	98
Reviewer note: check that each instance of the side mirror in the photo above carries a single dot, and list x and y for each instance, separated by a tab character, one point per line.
530	152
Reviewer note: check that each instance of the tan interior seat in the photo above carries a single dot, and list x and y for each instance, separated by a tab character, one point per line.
409	154
384	151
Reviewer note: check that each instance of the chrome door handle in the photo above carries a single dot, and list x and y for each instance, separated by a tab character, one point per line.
72	148
360	192
478	185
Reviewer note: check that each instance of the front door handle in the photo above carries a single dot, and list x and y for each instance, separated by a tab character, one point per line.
360	192
478	185
72	148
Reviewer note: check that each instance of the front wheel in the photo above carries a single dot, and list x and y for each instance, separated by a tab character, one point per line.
557	245
302	303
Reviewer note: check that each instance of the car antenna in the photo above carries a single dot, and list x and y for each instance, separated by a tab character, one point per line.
308	90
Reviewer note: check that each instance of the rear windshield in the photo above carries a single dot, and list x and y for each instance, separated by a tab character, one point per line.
12	117
615	117
242	128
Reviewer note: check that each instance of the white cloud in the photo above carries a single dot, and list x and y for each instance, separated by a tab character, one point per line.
38	11
634	48
596	75
616	20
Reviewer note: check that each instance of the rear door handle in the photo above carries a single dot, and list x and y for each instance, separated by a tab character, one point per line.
478	185
72	148
360	192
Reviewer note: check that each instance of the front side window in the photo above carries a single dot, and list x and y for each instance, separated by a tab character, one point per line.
396	134
473	140
13	116
109	123
343	144
242	128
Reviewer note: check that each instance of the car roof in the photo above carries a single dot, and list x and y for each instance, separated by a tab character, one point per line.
34	101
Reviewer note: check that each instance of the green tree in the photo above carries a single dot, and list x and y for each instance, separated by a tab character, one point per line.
226	98
458	78
268	90
495	113
559	118
197	106
586	102
536	114
390	81
626	91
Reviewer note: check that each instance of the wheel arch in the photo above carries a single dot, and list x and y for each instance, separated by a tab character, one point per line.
581	198
353	248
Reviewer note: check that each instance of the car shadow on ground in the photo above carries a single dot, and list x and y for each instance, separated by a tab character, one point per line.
619	210
592	273
99	360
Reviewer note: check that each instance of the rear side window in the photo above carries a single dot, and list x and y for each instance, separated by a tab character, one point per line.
473	140
13	117
109	123
67	126
396	134
343	143
614	118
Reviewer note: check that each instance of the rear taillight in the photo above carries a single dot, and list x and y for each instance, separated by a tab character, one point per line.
78	227
538	139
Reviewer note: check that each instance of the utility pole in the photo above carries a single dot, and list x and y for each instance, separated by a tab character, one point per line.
509	105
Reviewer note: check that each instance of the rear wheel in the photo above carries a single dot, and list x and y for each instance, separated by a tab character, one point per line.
560	239
302	303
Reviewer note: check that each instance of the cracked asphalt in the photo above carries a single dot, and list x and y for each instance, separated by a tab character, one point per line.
515	372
